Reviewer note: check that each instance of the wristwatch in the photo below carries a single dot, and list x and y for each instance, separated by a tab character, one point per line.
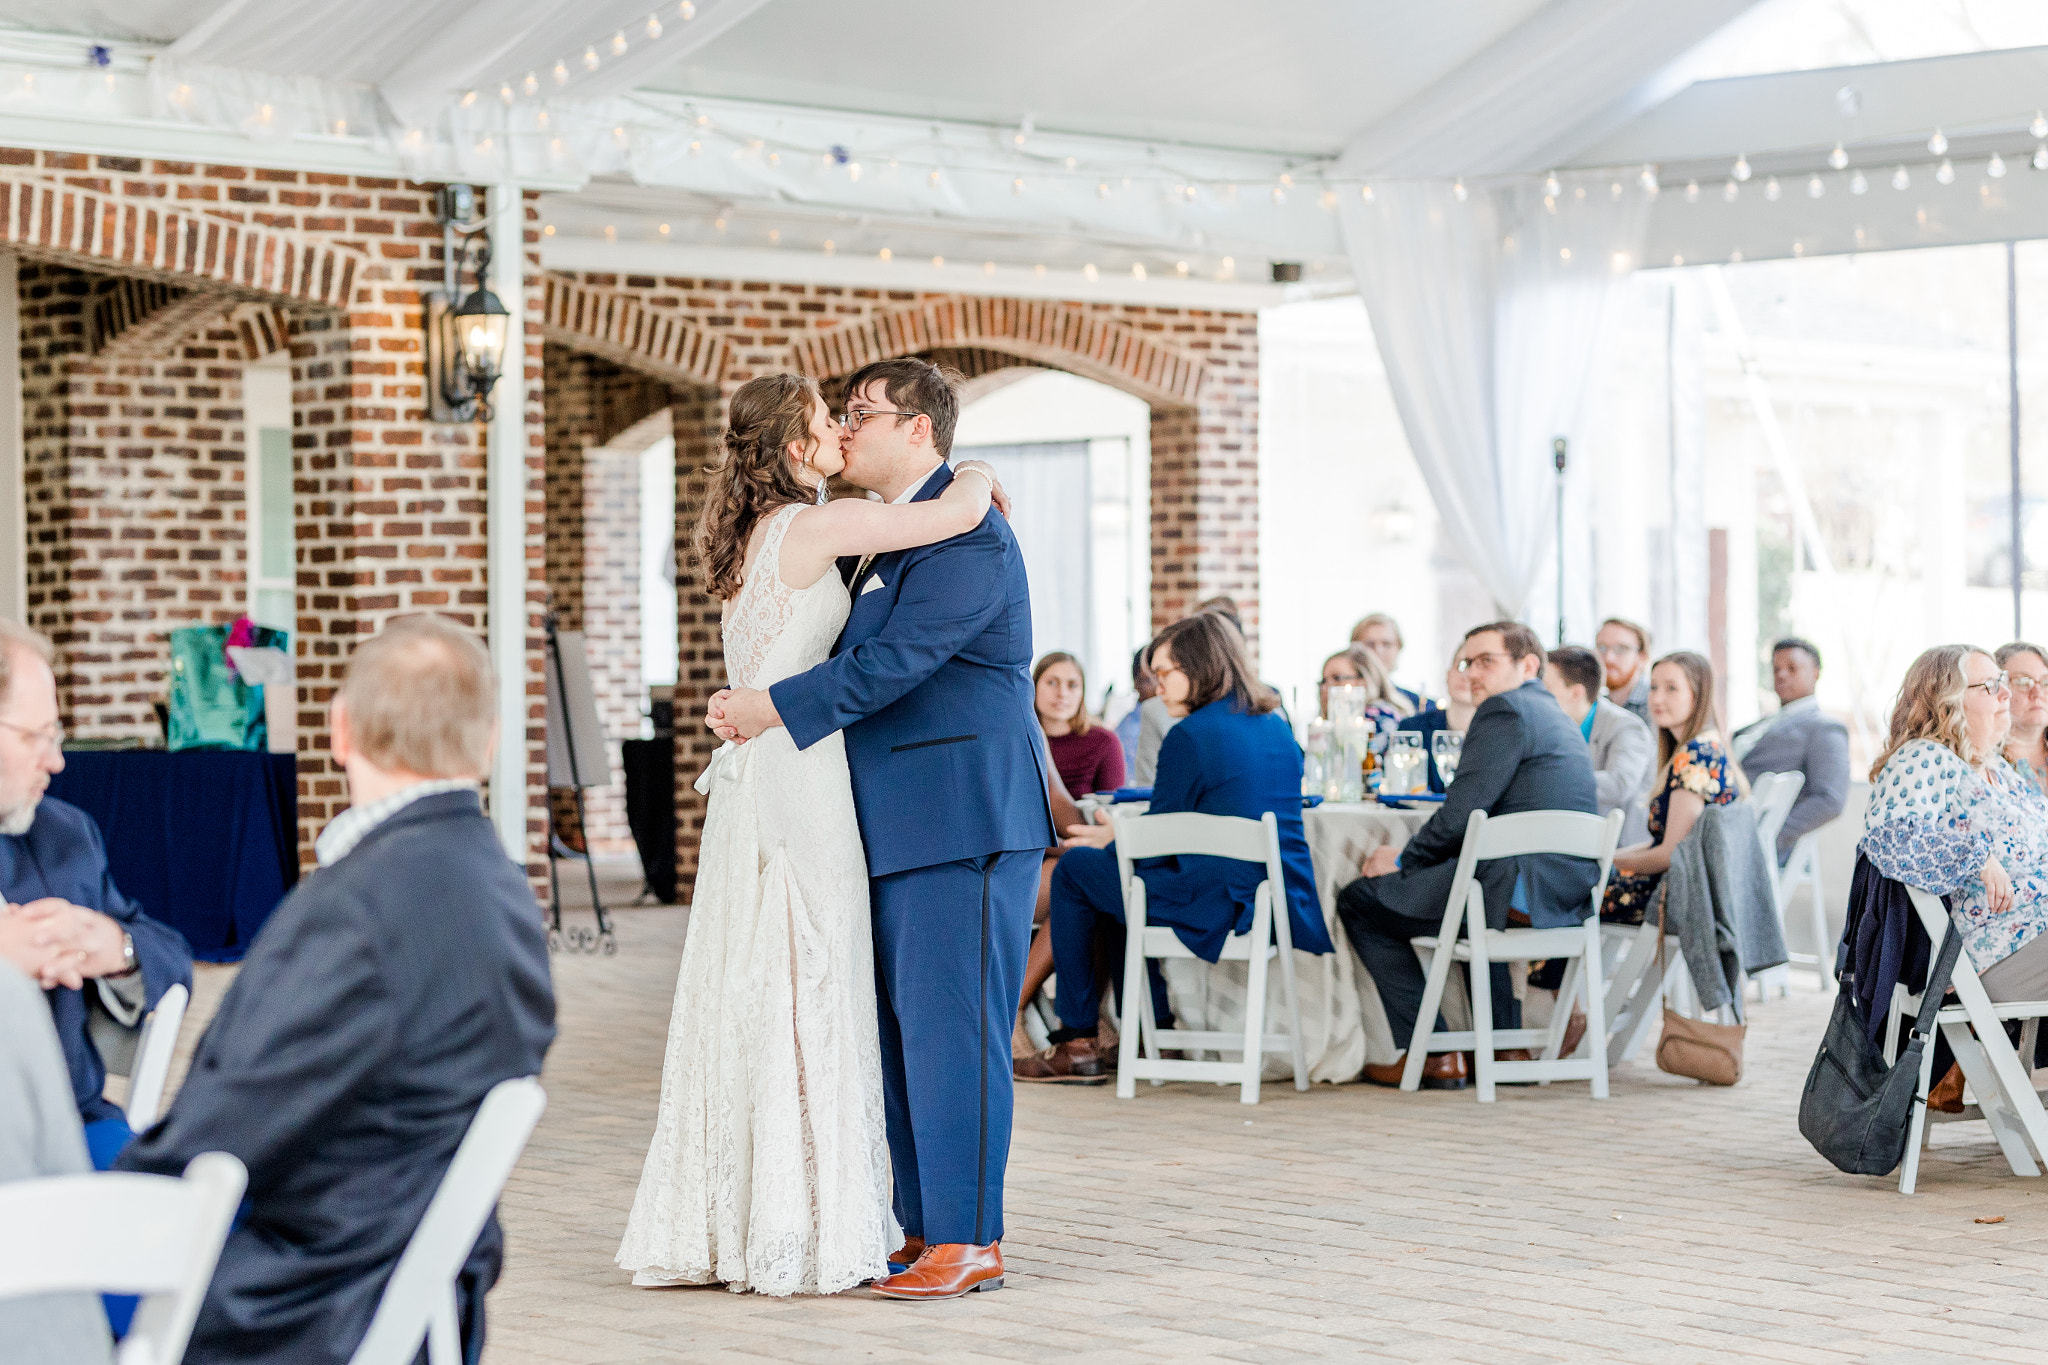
127	954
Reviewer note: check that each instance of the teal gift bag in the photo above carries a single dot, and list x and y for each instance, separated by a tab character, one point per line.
210	706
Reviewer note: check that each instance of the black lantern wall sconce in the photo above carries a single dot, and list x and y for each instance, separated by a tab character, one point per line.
465	334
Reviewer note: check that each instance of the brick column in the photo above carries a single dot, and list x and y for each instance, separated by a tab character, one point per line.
700	665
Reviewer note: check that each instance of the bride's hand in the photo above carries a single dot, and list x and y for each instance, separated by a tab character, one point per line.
714	715
996	494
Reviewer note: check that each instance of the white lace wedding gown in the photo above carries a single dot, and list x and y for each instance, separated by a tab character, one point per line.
769	1168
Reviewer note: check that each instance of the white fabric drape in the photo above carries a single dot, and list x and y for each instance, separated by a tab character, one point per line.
1487	309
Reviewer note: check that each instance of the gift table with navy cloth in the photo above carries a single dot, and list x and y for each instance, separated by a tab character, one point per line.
205	839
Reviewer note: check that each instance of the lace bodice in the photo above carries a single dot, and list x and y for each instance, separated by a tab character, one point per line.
775	631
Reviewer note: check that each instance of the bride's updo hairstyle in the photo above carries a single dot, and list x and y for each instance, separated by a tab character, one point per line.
754	478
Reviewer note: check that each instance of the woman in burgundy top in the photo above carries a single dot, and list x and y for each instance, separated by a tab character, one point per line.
1088	755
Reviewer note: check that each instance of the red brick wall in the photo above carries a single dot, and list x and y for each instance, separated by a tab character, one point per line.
389	507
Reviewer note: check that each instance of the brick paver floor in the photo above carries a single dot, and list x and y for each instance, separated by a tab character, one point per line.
1669	1223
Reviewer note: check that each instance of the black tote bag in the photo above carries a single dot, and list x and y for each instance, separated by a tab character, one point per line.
1856	1110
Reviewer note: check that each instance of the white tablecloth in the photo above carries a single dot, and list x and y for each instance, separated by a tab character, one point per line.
1343	1026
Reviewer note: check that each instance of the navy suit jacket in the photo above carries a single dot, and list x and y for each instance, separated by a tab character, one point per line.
1522	753
931	681
61	855
388	993
1221	761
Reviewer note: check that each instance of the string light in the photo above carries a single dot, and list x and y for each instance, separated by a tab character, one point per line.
1280	195
1901	180
1938	144
561	73
531	85
590	62
1458	189
719	222
1090	273
1551	188
938	262
884	254
1815	187
1648	180
1858	184
1692	191
1017	185
1995	167
1771	190
830	246
505	94
853	172
1364	194
775	236
1180	268
1102	190
468	98
663	229
1740	170
1729	189
933	179
1838	158
2038	129
1945	173
988	267
2040	159
1137	270
652	28
686	12
619	43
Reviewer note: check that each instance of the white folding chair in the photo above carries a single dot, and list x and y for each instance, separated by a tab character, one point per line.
120	1233
1511	836
153	1058
1773	795
1271	935
1803	869
2001	1083
419	1299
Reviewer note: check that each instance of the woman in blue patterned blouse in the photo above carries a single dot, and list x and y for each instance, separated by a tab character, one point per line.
1949	815
1692	763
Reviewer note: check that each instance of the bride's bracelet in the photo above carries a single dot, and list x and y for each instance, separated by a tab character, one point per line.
981	470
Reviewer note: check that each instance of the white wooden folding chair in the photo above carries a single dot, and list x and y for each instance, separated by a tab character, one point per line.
1999	1081
419	1299
1271	935
1803	869
153	1058
1511	836
120	1233
1773	795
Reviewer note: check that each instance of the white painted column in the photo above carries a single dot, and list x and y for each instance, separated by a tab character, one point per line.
13	505
506	567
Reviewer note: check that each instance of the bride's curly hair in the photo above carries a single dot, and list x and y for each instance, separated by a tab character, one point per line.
754	478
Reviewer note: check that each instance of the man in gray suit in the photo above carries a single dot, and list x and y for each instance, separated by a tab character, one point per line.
1797	738
1622	751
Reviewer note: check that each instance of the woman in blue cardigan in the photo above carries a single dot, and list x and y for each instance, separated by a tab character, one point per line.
1232	754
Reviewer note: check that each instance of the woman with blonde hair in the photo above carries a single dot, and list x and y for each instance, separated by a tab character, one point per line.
1950	815
1357	666
2026	744
769	1169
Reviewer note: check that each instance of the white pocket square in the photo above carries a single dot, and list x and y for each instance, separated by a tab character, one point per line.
870	585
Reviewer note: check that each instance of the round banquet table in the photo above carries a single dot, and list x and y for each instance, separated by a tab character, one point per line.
1343	1026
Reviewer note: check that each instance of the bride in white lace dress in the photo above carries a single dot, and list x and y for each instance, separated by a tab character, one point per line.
769	1168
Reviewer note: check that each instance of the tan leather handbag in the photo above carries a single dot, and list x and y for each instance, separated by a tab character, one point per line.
1699	1048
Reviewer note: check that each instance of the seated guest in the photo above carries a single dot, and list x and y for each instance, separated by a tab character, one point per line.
1521	754
2026	746
1357	666
1231	754
1087	755
1147	687
1624	650
39	1136
388	993
53	867
1797	738
1949	815
1456	717
1619	742
1381	634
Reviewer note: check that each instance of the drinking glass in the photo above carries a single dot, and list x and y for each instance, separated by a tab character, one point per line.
1446	746
1405	769
1315	759
1352	731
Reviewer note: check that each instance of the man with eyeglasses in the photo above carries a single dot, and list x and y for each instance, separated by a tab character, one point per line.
1797	738
1522	753
1624	650
64	922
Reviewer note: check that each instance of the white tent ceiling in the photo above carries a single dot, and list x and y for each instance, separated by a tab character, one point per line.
1132	143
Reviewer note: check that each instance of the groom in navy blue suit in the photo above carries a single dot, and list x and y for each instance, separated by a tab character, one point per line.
930	681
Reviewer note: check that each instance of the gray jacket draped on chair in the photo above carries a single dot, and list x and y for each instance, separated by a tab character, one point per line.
1719	893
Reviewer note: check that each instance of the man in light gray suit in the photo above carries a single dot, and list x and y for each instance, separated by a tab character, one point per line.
1622	751
1797	738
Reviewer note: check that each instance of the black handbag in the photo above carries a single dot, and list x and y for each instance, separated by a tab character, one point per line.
1857	1110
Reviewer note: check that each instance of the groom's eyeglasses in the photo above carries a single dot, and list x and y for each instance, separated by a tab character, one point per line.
853	418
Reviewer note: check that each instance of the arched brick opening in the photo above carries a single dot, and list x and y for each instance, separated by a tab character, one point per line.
146	289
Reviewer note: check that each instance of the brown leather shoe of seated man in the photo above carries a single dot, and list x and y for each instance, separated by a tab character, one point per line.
1074	1062
906	1255
947	1270
1440	1071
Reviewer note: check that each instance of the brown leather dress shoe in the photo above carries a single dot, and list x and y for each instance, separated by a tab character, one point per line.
1574	1034
1947	1094
1074	1062
906	1255
1440	1071
946	1271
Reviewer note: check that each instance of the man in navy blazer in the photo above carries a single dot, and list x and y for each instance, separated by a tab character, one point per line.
384	998
95	948
1522	753
930	682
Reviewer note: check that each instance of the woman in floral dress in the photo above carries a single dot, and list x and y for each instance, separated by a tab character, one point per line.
1695	773
1950	815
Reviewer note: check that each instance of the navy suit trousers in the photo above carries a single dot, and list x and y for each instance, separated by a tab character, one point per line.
950	942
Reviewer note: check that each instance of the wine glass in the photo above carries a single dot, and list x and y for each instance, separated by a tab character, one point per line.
1445	747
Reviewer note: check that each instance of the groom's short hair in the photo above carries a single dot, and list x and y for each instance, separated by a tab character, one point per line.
917	386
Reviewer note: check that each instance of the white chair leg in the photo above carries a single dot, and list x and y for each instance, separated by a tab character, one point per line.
1425	1017
1293	1001
1596	1009
1823	949
1137	987
1481	978
1254	1059
1918	1129
444	1340
1987	1082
